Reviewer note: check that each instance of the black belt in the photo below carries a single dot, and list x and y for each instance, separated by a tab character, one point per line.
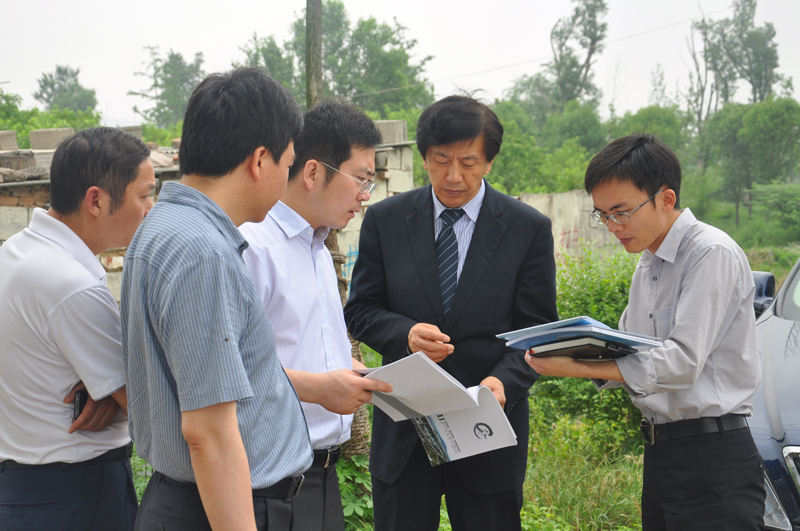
286	489
327	457
654	433
117	454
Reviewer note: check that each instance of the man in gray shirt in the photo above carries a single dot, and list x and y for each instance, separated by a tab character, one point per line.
693	289
210	405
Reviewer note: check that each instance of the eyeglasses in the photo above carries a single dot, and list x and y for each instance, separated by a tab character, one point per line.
620	218
367	186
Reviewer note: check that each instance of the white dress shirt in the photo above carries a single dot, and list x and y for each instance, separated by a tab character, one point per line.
60	324
696	294
294	276
464	227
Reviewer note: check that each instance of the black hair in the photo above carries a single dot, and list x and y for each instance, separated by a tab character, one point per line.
102	156
231	115
642	159
458	118
330	130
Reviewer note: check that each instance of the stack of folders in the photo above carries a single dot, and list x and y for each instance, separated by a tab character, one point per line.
582	338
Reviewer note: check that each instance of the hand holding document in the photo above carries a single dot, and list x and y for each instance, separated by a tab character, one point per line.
453	422
582	338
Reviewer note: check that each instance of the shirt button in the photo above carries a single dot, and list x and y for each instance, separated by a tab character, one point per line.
652	419
650	315
655	278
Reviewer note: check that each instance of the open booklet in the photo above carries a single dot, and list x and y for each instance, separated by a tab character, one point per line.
453	422
579	337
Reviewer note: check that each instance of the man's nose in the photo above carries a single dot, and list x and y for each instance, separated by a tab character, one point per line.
613	226
454	173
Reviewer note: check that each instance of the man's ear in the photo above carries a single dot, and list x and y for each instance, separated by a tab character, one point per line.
489	167
314	174
668	199
94	201
425	163
255	162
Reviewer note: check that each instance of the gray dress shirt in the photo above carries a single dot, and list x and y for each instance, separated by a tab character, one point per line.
195	334
696	294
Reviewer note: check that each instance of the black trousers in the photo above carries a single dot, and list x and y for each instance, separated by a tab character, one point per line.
412	502
318	507
169	505
712	482
88	497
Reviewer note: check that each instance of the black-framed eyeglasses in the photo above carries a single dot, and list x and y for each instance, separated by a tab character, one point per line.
620	218
367	186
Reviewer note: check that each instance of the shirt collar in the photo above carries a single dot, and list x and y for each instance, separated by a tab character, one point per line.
293	224
181	194
56	231
668	250
472	209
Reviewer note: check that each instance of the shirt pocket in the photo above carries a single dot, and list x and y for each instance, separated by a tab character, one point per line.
663	322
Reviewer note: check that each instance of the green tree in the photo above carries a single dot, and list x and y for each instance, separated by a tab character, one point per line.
752	51
782	203
771	130
23	121
731	153
576	41
63	90
172	81
368	62
577	120
665	122
516	168
266	53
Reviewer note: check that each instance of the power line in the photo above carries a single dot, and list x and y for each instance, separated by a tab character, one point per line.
537	60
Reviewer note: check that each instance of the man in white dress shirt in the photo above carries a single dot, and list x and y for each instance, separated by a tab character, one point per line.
60	331
294	275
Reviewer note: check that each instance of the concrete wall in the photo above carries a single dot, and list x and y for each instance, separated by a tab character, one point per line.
394	175
569	212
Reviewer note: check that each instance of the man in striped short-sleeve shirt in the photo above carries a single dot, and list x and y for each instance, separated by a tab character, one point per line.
210	406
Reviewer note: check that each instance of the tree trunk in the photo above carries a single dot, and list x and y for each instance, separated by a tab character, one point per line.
313	52
359	439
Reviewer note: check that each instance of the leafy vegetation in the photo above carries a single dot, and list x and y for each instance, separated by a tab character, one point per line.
25	121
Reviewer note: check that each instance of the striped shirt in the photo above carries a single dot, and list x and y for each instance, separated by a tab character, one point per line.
465	225
195	334
295	279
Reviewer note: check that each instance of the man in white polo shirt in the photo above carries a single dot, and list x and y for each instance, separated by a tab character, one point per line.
60	332
293	275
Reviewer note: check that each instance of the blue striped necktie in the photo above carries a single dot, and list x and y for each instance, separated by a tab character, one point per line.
447	256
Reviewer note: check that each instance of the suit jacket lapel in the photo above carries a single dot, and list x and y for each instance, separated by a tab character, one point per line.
423	246
488	232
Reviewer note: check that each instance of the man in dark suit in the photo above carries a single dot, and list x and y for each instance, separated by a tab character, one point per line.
442	269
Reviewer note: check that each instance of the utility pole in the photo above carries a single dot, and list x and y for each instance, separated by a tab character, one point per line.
313	52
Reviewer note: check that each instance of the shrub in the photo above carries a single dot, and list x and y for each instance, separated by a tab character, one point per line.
593	283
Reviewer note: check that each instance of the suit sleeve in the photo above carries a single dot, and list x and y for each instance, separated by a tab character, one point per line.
367	312
534	303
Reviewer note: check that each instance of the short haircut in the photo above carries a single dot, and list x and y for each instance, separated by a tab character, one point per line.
105	157
330	131
458	118
231	115
643	159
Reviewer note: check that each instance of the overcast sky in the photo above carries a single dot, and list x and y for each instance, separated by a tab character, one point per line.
483	44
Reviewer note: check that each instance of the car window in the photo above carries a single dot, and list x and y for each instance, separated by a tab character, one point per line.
791	303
